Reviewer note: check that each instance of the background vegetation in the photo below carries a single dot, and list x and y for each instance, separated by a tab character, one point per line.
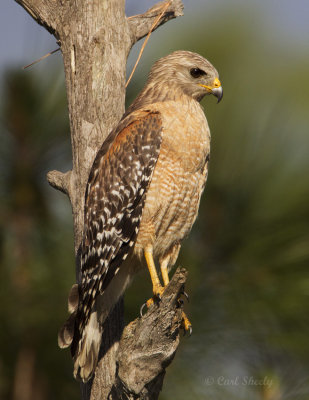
247	255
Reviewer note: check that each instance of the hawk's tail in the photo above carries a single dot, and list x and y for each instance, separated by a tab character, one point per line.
87	349
84	348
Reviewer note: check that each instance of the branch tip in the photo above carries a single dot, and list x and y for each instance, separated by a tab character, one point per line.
59	180
148	345
141	24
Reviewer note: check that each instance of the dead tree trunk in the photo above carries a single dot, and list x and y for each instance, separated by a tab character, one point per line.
95	38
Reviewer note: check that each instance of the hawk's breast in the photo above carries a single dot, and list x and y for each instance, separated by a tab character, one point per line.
178	180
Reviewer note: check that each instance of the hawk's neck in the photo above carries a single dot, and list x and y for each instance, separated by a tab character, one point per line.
156	94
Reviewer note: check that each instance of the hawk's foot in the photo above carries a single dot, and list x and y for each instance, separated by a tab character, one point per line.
157	293
186	324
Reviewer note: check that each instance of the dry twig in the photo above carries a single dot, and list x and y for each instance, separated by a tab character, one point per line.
41	58
165	7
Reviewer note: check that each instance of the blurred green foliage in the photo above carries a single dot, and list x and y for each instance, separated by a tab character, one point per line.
36	250
247	254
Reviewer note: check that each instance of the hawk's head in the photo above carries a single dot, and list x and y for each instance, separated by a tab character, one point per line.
187	71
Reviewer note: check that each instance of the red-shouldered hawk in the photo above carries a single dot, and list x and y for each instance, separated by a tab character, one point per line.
142	196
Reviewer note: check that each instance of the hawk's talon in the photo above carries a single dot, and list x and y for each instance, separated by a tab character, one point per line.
141	310
186	295
156	296
189	331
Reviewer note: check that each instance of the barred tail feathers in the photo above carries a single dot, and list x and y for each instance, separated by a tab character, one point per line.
85	349
88	347
85	343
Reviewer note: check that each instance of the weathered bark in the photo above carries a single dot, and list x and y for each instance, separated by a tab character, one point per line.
148	346
95	39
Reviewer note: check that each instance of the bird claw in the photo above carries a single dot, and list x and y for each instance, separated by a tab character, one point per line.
186	296
151	301
142	309
189	331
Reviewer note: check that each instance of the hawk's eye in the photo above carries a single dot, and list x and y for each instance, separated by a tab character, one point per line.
196	72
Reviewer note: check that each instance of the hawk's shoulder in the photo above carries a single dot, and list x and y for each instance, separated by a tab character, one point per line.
147	121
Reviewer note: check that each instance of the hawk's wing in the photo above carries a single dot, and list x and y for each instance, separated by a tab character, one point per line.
114	201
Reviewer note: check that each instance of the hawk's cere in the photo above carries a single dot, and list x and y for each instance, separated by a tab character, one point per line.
142	196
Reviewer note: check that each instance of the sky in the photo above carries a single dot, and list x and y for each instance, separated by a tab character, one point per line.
22	40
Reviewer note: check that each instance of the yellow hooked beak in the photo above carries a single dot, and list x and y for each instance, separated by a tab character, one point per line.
215	89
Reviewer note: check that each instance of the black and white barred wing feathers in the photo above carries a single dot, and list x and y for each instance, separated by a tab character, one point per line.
114	201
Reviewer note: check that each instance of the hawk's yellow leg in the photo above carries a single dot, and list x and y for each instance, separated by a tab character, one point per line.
164	271
156	285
